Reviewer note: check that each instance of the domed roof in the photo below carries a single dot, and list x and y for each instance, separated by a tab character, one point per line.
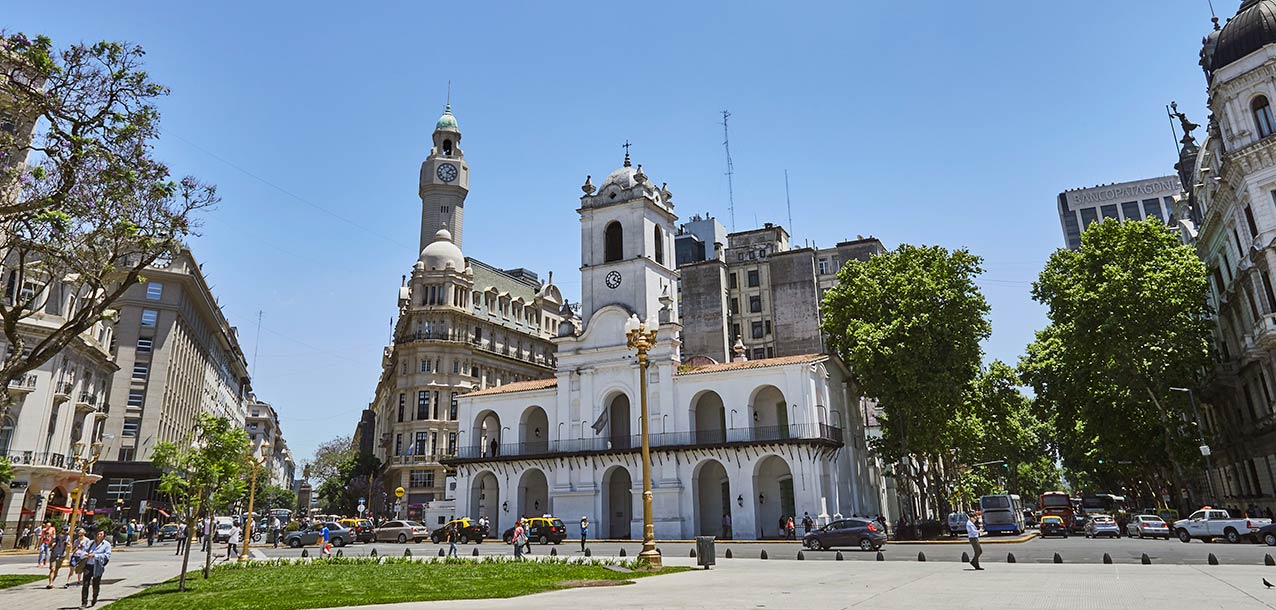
1253	27
622	178
442	253
447	121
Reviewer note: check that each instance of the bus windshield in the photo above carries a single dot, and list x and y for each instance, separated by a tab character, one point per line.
988	502
1055	501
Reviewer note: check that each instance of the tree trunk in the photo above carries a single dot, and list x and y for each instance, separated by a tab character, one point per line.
1179	480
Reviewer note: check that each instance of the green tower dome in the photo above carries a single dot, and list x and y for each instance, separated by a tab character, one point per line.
447	121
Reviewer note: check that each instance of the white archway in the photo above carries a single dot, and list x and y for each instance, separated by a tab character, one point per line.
487	433
618	422
618	503
485	500
769	413
710	418
533	494
711	488
533	431
773	484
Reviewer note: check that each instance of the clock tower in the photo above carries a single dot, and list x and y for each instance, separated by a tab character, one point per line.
445	181
627	249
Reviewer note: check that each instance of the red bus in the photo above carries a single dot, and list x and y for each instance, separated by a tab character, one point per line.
1057	503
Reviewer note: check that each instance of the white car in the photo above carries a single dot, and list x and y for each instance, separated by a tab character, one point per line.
1210	523
1147	526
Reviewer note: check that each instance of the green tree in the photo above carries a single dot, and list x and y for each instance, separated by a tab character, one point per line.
328	460
1129	318
6	471
909	324
85	204
206	467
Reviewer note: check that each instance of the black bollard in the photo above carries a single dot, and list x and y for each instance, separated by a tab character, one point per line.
1107	558
305	553
1010	557
408	552
921	556
693	553
1212	560
1057	558
965	558
763	556
1268	561
338	553
1147	561
801	556
880	556
622	551
475	553
588	552
441	554
838	556
728	554
552	552
374	553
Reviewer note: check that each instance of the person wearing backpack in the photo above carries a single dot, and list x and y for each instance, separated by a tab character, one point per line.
97	553
519	539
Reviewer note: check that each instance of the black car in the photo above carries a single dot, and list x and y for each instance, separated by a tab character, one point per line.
1053	526
540	529
1267	534
168	531
868	536
467	530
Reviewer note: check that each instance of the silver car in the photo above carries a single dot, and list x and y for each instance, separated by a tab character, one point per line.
1147	526
401	532
1102	525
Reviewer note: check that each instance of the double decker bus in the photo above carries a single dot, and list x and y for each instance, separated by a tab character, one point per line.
1058	504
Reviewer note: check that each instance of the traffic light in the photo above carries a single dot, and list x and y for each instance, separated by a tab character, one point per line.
1100	461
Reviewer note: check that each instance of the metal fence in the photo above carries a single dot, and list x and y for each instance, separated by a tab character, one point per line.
698	438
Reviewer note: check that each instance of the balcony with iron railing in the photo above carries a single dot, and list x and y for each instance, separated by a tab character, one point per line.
62	391
22	384
32	458
486	345
414	459
817	434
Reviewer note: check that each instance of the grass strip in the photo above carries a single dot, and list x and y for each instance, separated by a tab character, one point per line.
13	580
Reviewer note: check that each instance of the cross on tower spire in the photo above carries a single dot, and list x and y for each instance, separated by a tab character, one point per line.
626	147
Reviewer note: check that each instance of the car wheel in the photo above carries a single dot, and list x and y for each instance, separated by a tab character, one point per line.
403	538
866	544
1184	536
1140	534
544	540
1232	536
294	543
338	542
1269	539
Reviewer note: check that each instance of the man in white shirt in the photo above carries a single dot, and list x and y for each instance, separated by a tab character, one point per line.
97	552
232	542
972	532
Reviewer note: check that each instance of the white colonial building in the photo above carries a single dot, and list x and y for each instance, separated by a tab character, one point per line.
743	442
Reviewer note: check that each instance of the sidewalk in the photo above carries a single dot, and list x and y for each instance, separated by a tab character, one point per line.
124	576
742	583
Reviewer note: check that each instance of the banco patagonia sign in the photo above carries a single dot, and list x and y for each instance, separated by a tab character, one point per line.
1128	191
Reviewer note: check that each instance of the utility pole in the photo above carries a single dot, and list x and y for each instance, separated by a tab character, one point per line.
726	145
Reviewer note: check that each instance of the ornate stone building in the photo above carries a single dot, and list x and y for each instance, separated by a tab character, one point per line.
463	325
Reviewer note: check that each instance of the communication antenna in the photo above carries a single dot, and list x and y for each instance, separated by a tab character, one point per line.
726	144
257	340
786	200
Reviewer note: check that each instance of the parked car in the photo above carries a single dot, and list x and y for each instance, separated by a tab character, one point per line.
468	530
1102	525
221	529
866	535
1210	523
337	535
1267	534
401	532
1147	526
168	531
957	523
541	529
362	528
1052	525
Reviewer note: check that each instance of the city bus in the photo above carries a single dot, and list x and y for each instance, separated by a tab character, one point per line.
1058	504
1002	513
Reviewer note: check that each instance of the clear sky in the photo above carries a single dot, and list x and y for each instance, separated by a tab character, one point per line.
926	122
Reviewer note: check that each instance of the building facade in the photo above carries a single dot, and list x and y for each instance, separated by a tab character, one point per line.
178	357
266	441
1231	219
1136	200
735	445
463	325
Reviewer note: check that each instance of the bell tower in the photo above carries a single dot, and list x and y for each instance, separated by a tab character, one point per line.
445	181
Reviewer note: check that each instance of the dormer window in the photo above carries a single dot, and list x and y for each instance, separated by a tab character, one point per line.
1263	117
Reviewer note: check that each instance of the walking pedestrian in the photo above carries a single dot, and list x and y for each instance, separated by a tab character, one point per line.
77	558
519	539
782	528
57	553
232	541
527	535
972	532
790	529
807	522
325	533
152	529
274	530
205	534
726	526
96	555
46	538
182	534
24	541
584	532
451	540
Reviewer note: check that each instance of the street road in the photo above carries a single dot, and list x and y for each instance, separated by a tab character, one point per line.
1076	549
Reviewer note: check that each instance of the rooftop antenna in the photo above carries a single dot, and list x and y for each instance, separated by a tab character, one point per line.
787	202
726	144
257	340
449	93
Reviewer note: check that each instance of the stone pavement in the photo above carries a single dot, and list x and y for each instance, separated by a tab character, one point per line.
752	583
124	576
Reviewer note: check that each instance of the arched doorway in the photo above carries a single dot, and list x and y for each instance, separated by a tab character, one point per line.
618	422
58	497
770	414
533	431
618	503
487	433
710	418
712	489
485	500
533	494
773	482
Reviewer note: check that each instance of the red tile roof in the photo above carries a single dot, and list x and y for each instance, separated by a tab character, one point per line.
517	386
751	364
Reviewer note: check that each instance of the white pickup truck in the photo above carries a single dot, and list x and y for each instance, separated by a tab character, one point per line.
1210	523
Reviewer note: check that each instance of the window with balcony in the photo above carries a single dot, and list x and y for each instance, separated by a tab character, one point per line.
154	291
419	445
398	444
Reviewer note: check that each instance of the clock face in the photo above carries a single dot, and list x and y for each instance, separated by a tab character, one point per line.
446	172
613	279
162	261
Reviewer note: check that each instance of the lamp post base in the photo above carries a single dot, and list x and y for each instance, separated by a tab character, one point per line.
650	555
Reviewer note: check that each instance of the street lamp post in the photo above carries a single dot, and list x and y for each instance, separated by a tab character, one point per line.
642	340
249	524
1200	430
95	451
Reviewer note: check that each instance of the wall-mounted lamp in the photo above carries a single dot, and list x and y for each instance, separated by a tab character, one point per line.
755	417
740	500
536	506
505	506
761	499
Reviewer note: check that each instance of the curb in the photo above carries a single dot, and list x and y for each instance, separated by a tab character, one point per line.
963	541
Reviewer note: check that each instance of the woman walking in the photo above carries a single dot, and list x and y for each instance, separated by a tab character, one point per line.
451	540
77	559
96	555
232	541
57	552
520	538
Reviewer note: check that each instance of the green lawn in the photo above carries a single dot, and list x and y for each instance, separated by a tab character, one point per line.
13	580
283	585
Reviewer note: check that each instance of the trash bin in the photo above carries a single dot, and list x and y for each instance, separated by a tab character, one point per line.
705	551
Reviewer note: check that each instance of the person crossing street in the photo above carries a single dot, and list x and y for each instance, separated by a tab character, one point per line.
584	532
972	532
97	553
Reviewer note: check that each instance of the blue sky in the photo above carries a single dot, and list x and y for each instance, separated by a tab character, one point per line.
926	122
